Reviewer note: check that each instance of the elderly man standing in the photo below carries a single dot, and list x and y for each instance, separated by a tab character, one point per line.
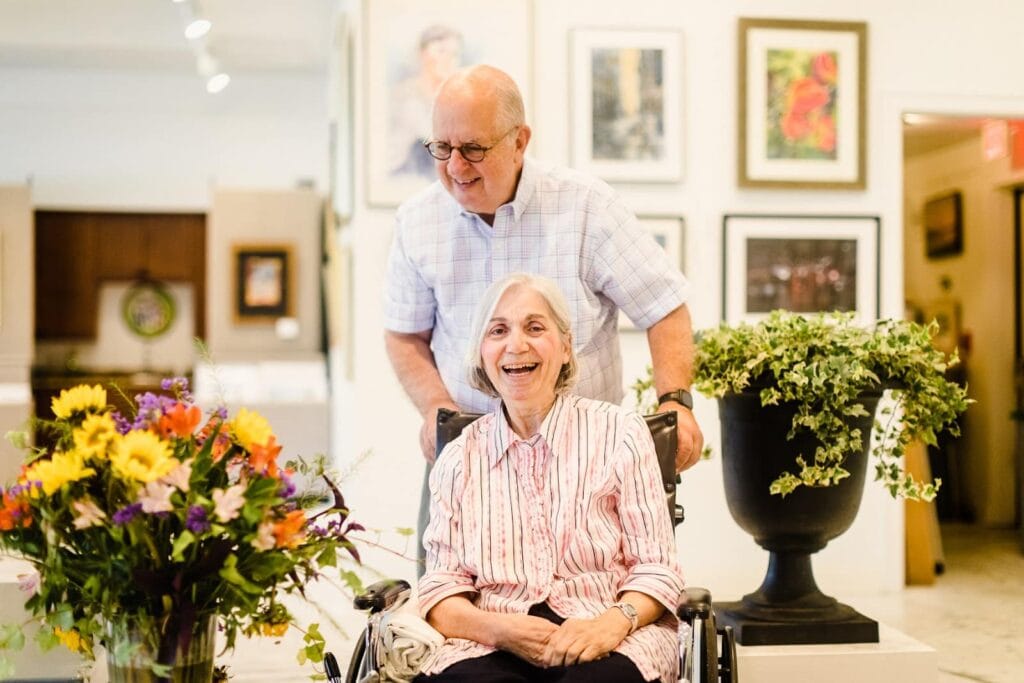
495	212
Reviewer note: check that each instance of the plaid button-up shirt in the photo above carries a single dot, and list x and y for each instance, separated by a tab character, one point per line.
561	224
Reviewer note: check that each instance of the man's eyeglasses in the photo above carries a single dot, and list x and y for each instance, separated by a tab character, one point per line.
471	151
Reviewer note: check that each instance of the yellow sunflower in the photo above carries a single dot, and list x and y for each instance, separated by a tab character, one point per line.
79	399
95	435
59	470
142	456
250	429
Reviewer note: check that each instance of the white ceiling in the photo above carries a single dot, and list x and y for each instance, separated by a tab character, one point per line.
246	34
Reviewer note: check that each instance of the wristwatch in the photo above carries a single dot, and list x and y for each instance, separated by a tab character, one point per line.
630	613
680	396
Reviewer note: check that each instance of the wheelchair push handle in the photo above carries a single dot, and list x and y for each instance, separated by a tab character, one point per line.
383	595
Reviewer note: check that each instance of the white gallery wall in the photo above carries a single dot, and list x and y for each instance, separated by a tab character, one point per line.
945	57
154	140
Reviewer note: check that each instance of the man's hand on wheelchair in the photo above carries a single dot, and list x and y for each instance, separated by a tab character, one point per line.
523	635
584	640
690	440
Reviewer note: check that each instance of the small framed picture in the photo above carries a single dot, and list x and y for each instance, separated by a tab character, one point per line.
669	232
411	48
627	117
264	277
805	264
802	112
943	225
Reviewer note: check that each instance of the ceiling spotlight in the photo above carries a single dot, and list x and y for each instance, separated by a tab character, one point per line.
197	29
217	82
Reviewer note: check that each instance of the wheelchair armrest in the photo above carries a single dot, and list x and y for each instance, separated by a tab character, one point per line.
696	602
383	595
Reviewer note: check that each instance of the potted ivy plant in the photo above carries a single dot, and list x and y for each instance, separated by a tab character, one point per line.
798	397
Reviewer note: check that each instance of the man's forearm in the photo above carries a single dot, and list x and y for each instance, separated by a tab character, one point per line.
671	343
414	365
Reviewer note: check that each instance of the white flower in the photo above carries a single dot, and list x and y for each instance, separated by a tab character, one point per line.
179	476
156	497
264	537
88	514
228	503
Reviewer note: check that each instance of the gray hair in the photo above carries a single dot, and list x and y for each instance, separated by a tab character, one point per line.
555	300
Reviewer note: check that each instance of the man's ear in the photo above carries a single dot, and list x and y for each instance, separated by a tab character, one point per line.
523	138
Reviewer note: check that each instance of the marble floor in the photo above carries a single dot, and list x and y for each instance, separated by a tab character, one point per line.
973	615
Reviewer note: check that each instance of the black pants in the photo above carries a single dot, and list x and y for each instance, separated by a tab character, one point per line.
504	667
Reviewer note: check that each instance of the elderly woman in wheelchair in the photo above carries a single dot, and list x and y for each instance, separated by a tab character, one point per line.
549	553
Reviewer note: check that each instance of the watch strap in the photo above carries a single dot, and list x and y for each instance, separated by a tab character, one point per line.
680	396
629	611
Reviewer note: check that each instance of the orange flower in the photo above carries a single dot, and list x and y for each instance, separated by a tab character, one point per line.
825	133
805	95
264	458
216	430
824	67
14	512
179	421
289	532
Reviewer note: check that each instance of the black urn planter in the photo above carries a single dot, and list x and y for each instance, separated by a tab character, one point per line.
788	608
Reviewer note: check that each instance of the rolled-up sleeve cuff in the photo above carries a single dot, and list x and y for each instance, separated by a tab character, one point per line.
655	581
436	586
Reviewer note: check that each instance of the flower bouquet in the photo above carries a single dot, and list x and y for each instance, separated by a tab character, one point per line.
149	531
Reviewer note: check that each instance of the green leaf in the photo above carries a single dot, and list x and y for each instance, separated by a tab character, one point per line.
184	540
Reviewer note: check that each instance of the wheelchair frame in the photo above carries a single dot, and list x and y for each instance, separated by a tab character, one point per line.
707	653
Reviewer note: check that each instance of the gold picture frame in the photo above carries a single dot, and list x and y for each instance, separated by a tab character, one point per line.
802	104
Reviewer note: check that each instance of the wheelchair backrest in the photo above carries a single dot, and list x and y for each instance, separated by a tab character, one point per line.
450	424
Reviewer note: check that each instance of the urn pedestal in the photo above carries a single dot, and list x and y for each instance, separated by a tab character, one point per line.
788	608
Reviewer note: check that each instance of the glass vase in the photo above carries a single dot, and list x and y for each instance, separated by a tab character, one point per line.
132	651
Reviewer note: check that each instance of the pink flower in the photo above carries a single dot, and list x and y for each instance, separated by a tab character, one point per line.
87	514
29	583
179	476
156	497
228	503
265	538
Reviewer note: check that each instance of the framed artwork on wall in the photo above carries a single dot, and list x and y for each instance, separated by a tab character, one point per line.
806	264
264	277
627	108
410	49
802	111
670	233
943	225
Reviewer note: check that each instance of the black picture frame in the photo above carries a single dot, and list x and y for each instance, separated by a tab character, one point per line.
833	259
264	277
942	218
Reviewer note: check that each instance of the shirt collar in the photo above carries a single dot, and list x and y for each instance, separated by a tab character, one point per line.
552	430
525	189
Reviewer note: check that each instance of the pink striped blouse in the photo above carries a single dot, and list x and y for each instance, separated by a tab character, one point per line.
573	516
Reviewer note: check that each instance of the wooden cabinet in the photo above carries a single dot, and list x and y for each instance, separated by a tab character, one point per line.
77	251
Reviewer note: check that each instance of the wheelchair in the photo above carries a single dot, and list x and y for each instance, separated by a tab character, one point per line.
707	652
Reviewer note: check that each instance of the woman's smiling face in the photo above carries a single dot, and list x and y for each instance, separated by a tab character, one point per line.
522	350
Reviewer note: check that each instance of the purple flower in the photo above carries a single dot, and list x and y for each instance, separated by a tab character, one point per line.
151	409
127	513
179	385
197	522
121	423
287	486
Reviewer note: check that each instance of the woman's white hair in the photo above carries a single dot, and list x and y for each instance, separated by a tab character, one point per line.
555	300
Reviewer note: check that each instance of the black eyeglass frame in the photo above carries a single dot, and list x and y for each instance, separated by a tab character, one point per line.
469	151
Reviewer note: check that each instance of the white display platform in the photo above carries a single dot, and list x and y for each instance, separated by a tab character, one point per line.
897	658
